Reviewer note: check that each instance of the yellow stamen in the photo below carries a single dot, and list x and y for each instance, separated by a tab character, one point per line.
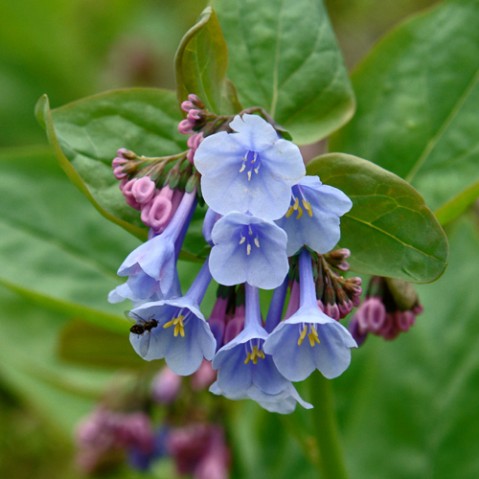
242	240
256	242
302	335
254	355
300	212
248	249
313	336
289	212
243	167
307	207
178	324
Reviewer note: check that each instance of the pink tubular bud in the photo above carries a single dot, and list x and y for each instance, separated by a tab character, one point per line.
235	324
166	386
187	105
204	377
196	100
332	310
143	190
345	308
185	127
404	320
126	189
194	115
159	213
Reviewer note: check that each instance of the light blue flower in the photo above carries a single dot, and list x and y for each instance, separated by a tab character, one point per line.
151	268
309	339
140	288
248	249
250	170
175	329
313	216
283	403
245	371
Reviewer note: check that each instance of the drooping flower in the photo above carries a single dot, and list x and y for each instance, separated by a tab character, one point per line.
313	216
245	371
175	329
151	268
309	339
248	249
250	170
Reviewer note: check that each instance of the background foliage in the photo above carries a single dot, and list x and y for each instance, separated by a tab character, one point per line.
406	409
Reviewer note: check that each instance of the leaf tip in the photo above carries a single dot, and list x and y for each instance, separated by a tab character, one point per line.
41	107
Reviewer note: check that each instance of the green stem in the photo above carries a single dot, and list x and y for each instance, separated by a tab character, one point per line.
331	461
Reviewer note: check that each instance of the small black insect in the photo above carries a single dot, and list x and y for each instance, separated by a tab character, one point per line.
143	325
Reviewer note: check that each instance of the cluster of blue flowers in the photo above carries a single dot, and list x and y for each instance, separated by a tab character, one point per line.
264	214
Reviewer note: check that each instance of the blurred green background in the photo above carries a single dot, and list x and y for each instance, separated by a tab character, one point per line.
403	406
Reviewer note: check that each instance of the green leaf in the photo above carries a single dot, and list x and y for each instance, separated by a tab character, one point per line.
409	406
201	62
84	344
418	97
55	249
86	135
283	57
29	365
390	231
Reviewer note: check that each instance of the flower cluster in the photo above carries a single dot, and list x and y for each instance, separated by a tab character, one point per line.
139	423
390	308
269	226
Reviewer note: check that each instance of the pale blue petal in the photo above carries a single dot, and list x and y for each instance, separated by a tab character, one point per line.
254	132
284	162
333	355
294	362
233	375
266	377
267	264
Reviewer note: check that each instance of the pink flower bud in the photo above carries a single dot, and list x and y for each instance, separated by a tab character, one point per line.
185	127
235	324
143	190
204	377
159	213
166	386
126	189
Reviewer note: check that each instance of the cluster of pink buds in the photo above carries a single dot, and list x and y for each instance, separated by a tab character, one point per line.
151	187
196	119
336	294
200	450
390	308
105	436
228	315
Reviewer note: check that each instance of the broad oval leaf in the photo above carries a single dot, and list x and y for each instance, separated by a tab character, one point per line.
87	133
418	98
283	57
390	231
201	61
